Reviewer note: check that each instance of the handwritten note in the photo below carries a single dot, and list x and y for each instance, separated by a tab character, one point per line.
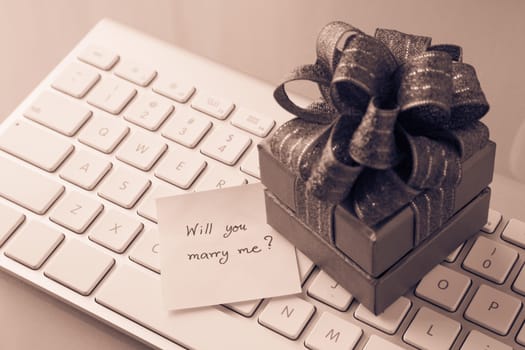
217	248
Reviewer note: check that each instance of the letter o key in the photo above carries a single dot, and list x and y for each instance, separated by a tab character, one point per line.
442	284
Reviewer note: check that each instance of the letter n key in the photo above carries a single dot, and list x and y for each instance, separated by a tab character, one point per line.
287	315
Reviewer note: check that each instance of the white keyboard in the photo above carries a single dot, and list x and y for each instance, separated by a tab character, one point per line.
124	119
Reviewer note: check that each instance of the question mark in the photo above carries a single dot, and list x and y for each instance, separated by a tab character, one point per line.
269	239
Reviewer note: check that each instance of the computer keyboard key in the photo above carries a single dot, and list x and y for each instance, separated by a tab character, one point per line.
180	168
287	315
148	206
514	232
76	211
186	128
225	145
493	309
252	122
137	73
377	343
389	320
103	133
333	333
99	57
490	259
58	113
304	264
115	230
35	145
10	219
520	338
492	222
146	250
76	80
217	178
33	243
78	266
250	165
479	341
432	330
245	308
519	283
111	95
444	287
123	187
214	106
134	294
454	255
85	169
148	111
141	150
325	289
27	188
171	88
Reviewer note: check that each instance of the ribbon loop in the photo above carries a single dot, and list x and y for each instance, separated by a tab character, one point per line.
425	90
319	112
363	71
468	102
373	143
403	46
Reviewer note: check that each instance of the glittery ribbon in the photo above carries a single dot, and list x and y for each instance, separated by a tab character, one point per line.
395	120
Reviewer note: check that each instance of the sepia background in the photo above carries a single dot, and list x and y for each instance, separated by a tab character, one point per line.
264	39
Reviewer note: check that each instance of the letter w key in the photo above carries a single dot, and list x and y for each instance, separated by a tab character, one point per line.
141	150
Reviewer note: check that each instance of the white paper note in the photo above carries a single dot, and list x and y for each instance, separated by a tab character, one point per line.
216	248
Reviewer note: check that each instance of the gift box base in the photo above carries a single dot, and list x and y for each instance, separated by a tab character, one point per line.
377	293
376	249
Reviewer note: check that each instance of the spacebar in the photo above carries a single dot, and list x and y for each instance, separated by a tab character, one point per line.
136	294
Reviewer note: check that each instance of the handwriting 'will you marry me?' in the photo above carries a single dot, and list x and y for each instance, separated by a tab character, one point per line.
216	248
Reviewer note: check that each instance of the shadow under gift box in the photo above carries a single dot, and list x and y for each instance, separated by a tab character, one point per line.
376	249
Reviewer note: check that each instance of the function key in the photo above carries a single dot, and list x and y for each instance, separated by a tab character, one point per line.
76	80
135	72
492	221
99	57
252	122
515	233
173	89
212	105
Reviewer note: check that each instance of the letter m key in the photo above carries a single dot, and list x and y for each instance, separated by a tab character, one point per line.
332	335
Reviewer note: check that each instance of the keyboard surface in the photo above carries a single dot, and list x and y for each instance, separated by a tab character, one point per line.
124	119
